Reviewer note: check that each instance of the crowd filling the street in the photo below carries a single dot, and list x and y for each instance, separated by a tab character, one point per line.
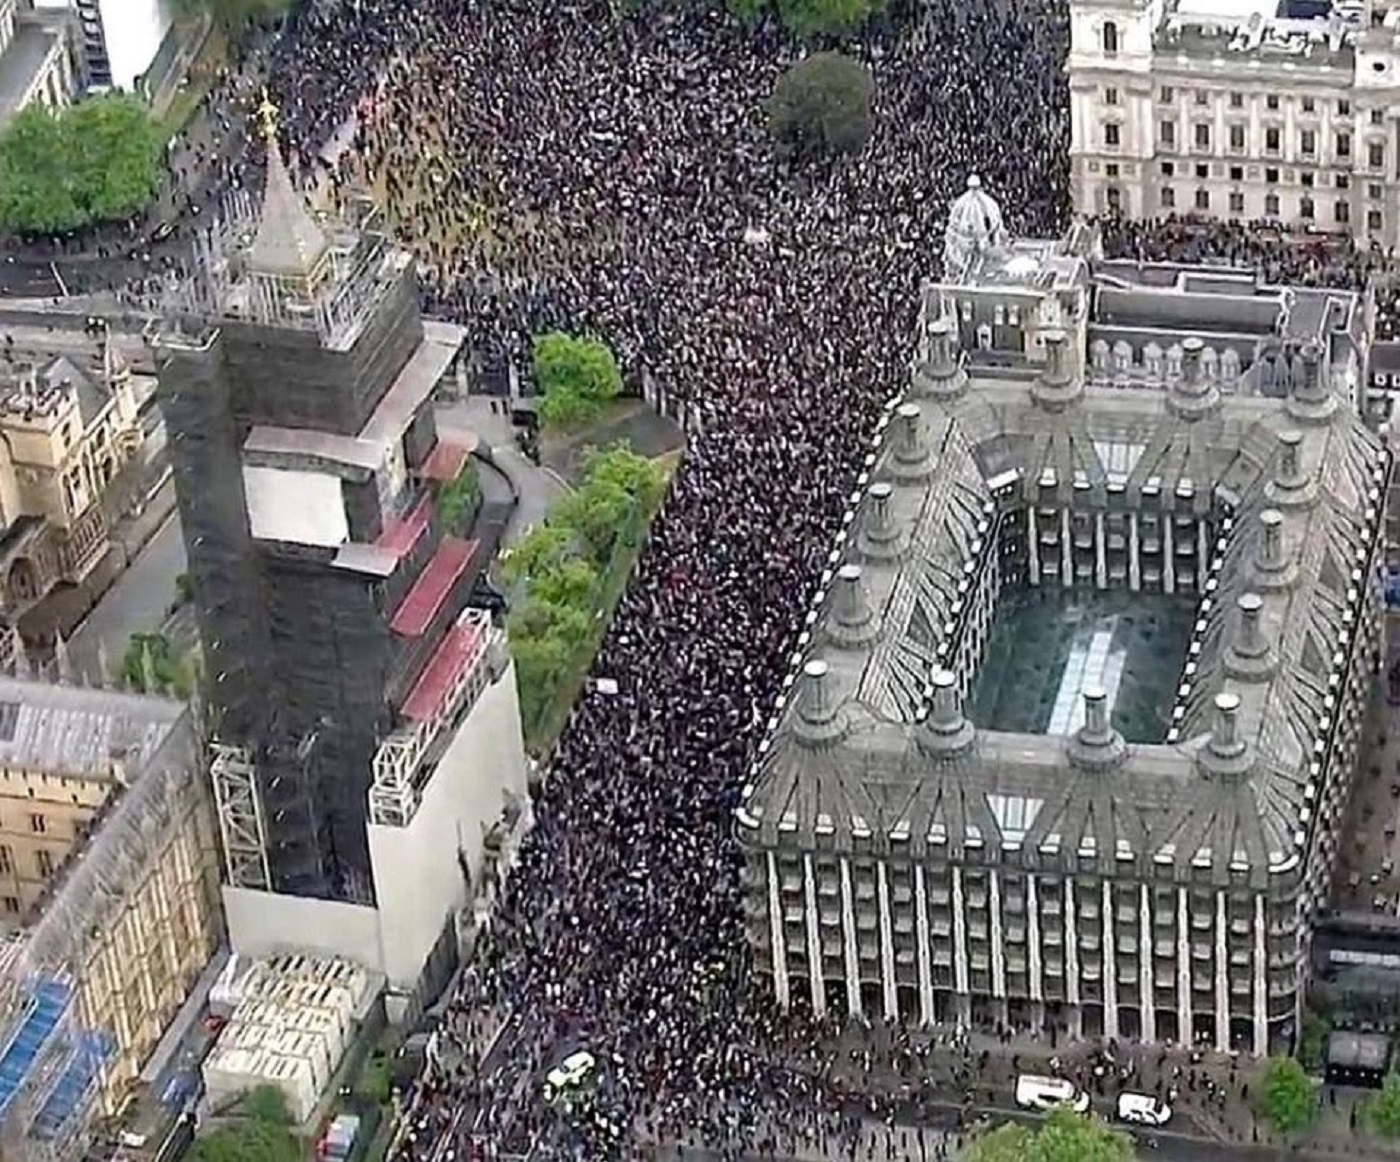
571	167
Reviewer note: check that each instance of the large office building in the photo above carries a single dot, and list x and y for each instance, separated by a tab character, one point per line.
1074	712
108	901
1246	109
366	732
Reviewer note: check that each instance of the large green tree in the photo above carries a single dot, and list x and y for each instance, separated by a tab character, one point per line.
263	1135
1287	1096
1064	1136
232	15
98	160
814	18
577	375
1383	1108
822	106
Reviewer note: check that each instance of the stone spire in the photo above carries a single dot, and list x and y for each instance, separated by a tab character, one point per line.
1096	745
945	732
288	245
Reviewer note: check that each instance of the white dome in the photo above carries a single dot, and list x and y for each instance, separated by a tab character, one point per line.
975	225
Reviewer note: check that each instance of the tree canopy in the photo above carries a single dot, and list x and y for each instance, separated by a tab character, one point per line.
822	106
457	502
233	15
98	160
558	573
577	375
813	18
151	666
263	1136
1064	1136
1383	1108
1287	1096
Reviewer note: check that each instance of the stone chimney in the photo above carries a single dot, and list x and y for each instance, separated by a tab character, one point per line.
1096	745
1193	396
1311	401
945	731
1225	752
912	459
1056	387
1290	485
880	537
1249	656
940	375
1272	568
819	718
853	621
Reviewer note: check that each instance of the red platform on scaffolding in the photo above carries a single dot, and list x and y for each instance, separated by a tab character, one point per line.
421	603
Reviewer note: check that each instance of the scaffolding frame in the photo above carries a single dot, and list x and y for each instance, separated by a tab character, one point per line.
394	796
242	826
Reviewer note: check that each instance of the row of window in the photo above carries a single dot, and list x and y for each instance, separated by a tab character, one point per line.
1166	95
1307	208
1237	141
1238	173
43	861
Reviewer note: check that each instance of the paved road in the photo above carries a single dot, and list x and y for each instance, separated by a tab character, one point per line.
137	603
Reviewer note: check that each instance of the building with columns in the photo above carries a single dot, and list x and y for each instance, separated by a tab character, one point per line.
1074	712
1239	109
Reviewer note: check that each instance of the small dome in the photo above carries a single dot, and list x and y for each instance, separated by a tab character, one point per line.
975	225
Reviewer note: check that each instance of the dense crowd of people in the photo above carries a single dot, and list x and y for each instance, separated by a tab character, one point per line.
566	166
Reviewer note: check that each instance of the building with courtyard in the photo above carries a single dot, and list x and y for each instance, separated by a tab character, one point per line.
1074	712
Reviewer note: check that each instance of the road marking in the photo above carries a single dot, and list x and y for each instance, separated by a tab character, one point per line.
58	278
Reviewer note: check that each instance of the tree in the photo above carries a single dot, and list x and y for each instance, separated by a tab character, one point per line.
458	499
264	1136
232	15
1287	1100
822	105
813	18
617	464
151	666
577	376
99	160
1064	1136
747	11
1383	1109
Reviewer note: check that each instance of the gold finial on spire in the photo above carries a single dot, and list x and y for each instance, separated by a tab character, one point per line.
267	114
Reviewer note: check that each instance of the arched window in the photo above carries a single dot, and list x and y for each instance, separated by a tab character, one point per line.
1110	37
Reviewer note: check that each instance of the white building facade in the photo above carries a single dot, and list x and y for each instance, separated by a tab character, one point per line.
1228	111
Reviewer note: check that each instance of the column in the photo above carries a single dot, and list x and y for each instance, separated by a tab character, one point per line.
848	941
1168	527
1071	949
1222	978
1066	551
1147	1004
1261	979
1202	554
1183	969
887	978
1100	548
1134	560
959	937
1033	957
927	1012
1110	963
775	935
1033	541
998	951
814	940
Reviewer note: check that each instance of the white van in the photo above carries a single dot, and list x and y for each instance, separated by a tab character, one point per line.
1143	1109
1046	1093
566	1078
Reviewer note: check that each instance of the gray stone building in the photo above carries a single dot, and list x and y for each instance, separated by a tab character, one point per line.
1075	709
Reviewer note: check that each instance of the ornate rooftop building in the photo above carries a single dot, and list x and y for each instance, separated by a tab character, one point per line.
1075	709
366	731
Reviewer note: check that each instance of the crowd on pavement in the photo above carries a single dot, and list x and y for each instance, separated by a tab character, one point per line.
562	166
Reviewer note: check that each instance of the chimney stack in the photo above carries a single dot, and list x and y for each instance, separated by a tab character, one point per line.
880	538
1095	714
1056	387
853	622
1270	555
1192	396
945	731
1224	738
1192	380
1311	401
819	719
1251	641
912	459
1291	485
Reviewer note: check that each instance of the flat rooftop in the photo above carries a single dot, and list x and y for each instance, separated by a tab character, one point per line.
20	62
